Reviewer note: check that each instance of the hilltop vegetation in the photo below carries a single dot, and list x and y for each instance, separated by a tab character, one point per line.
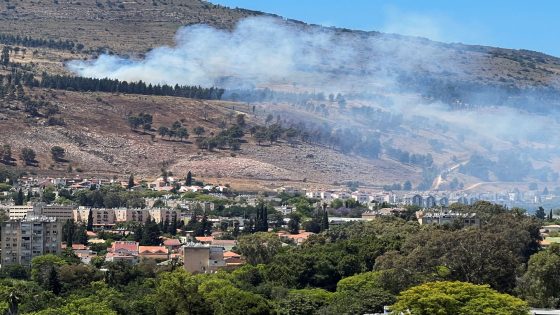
328	130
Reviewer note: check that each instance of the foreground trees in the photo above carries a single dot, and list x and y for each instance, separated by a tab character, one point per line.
540	285
457	298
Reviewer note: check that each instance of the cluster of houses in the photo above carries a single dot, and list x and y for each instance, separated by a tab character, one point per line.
36	184
36	229
436	199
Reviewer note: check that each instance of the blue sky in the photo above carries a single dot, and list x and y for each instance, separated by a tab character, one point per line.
515	24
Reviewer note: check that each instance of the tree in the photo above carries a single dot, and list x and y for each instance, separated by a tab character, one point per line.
540	213
68	230
539	285
53	283
28	156
188	180
182	133
182	295
89	226
459	298
173	226
240	120
305	301
151	234
260	247
261	223
293	224
80	235
130	181
58	153
368	301
41	268
6	154
18	200
163	131
325	220
199	131
226	299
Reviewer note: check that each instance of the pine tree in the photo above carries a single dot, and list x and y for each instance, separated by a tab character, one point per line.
165	226
235	232
205	226
550	217
151	234
89	226
188	181
68	233
19	198
173	226
325	221
81	235
53	283
138	233
130	182
540	214
293	224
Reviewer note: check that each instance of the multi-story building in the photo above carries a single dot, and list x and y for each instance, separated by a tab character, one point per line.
61	212
162	214
132	215
29	237
200	258
102	218
20	212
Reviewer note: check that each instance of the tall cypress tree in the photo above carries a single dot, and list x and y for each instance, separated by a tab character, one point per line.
19	198
69	230
130	181
173	226
151	234
165	226
89	226
325	221
53	283
188	181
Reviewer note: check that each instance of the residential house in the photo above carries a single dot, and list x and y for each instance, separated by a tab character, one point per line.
126	251
201	258
159	253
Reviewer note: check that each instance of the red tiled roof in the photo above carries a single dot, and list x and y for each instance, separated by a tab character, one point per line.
129	246
79	247
230	254
204	238
153	250
172	242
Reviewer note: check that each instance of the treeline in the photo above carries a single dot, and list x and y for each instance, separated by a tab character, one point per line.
423	160
71	83
268	95
8	39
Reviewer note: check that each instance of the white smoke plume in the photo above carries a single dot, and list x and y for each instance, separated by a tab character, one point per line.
263	52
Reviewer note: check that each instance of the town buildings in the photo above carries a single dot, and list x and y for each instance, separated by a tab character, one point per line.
32	236
201	258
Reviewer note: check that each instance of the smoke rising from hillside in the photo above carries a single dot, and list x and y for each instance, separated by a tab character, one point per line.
262	52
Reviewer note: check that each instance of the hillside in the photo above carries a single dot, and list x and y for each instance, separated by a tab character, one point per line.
409	108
